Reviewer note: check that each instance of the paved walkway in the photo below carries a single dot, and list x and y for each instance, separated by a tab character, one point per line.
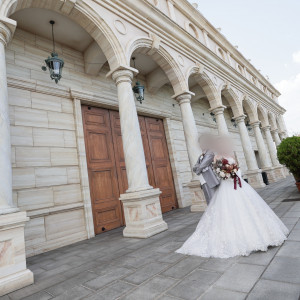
112	267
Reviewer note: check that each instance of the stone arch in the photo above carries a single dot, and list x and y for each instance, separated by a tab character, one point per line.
262	116
82	14
250	109
209	88
162	57
229	94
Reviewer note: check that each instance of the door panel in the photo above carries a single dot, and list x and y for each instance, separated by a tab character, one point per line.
102	169
161	163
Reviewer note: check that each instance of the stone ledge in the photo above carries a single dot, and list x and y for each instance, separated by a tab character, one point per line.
54	210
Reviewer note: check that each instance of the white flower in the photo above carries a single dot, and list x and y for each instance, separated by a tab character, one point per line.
222	174
218	170
227	175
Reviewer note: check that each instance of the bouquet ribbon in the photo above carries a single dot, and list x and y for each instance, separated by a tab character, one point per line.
235	180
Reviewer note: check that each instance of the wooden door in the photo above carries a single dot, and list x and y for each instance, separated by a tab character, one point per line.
102	169
161	163
106	164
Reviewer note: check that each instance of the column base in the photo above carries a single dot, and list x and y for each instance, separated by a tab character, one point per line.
255	179
198	198
279	172
13	272
143	214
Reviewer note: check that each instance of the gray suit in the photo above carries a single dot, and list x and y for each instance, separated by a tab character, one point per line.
203	166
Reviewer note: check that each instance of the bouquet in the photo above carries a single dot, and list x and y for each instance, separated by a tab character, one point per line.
225	170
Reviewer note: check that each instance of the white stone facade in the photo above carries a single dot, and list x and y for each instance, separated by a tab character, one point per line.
189	71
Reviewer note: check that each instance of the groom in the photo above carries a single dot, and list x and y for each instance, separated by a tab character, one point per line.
208	179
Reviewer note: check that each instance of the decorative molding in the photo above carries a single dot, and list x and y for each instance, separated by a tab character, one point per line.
120	26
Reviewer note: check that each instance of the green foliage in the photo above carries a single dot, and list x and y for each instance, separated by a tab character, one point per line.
288	153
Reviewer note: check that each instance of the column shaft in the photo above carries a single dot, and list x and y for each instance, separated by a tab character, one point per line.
263	154
276	137
136	169
220	119
271	146
246	144
6	203
191	138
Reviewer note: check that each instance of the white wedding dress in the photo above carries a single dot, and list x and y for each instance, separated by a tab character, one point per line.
236	222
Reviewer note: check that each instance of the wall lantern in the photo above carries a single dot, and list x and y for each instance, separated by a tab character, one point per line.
248	126
54	63
213	117
233	122
138	89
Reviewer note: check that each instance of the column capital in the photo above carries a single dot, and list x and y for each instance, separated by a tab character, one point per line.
266	128
255	124
122	71
274	130
240	119
7	29
218	109
184	97
122	75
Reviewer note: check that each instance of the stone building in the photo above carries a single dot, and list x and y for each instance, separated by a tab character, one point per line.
64	147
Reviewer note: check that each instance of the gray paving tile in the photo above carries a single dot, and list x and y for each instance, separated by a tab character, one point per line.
113	291
195	284
38	296
290	249
218	264
68	284
184	267
292	214
260	258
297	226
76	293
295	235
167	297
289	221
266	290
221	294
240	277
145	273
286	269
151	289
101	281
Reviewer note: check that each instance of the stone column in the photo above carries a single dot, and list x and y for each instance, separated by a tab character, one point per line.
265	161
141	202
13	272
276	137
220	119
273	153
191	138
253	173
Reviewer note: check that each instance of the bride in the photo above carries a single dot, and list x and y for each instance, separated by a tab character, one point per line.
237	220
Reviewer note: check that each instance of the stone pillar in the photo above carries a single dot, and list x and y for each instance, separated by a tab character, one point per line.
253	173
220	119
13	272
276	137
265	161
141	202
191	138
279	173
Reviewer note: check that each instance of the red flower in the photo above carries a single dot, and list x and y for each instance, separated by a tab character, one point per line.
224	161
